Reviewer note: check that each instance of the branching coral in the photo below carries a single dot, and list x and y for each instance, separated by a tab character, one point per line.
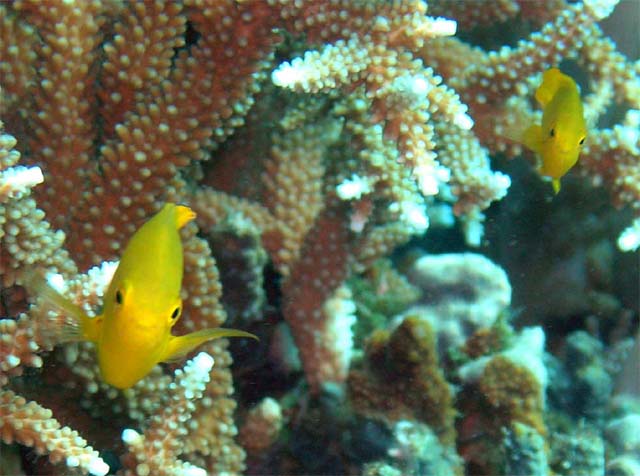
168	426
30	424
29	242
24	234
373	116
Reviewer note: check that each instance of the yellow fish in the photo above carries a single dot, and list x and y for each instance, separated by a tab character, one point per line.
141	305
558	139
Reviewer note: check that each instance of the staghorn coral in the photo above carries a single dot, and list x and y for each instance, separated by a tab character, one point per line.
31	425
22	338
18	347
145	457
373	117
24	234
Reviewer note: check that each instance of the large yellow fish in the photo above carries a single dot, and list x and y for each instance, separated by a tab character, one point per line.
558	139
141	305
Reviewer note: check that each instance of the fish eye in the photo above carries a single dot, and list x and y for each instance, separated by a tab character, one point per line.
118	297
552	132
175	313
582	141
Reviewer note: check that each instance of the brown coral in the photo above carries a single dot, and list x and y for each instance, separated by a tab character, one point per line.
401	379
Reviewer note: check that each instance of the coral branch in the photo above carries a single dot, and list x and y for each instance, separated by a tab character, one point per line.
30	424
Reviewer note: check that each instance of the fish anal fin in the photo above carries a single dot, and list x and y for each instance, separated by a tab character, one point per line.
179	346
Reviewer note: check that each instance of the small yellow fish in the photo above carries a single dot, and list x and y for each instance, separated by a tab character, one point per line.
141	305
563	130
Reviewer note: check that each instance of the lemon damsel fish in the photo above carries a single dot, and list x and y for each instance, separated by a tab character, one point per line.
141	305
558	139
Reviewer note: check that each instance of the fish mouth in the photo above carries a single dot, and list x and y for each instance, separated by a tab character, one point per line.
565	155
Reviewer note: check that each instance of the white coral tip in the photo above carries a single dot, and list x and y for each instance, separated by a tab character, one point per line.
56	281
600	8
25	177
203	362
352	188
288	75
194	471
19	179
463	121
629	239
13	360
130	436
444	26
98	467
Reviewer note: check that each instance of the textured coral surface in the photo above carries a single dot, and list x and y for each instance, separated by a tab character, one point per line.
425	304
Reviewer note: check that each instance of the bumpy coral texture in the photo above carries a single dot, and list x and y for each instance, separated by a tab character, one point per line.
374	118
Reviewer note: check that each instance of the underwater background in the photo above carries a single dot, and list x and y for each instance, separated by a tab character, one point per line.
369	202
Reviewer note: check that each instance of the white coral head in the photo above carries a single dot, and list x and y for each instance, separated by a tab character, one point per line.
354	187
98	467
130	436
203	362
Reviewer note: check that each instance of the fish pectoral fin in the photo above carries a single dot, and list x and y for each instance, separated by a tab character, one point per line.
531	138
179	346
75	324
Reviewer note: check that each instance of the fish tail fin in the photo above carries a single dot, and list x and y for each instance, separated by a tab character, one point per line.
556	185
552	80
71	325
179	346
531	137
184	215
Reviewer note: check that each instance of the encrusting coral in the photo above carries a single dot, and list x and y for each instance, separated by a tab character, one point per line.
408	356
334	130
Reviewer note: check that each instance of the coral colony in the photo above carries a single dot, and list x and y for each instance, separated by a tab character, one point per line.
351	164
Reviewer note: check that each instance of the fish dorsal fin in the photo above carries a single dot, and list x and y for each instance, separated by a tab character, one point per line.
184	215
552	80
